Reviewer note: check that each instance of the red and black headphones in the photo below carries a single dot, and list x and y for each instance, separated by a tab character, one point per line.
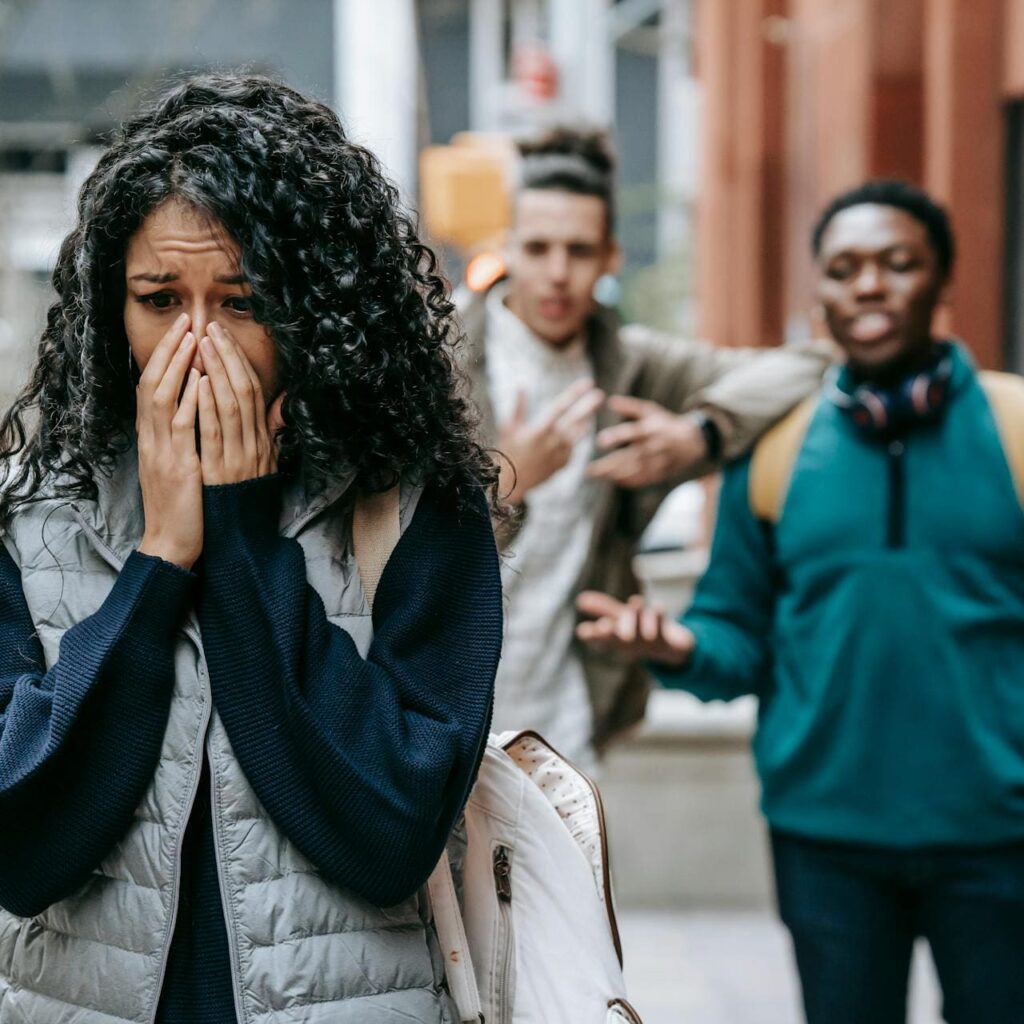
920	398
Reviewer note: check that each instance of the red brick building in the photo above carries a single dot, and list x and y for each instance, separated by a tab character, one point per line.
807	97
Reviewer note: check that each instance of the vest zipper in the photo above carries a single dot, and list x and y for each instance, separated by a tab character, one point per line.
236	985
504	946
191	630
204	725
896	535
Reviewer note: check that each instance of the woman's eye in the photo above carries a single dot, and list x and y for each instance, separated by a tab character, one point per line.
239	304
158	300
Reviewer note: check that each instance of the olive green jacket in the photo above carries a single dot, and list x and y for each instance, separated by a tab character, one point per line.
744	390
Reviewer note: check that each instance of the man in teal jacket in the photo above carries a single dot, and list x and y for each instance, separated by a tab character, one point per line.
876	607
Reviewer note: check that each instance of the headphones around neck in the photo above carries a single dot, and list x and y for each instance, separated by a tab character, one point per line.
879	411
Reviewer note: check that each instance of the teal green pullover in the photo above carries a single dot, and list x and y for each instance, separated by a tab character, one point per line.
881	624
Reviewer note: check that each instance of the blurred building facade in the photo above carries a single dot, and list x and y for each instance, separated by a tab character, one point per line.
403	73
808	97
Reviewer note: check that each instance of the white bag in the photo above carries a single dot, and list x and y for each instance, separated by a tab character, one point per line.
535	940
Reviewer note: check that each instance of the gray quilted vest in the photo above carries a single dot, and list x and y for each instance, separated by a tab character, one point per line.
302	950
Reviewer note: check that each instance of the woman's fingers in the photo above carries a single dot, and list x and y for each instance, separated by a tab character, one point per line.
260	453
275	415
240	373
228	406
274	424
163	354
211	448
183	425
163	401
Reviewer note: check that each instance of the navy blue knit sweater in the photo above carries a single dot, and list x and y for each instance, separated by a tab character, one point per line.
364	764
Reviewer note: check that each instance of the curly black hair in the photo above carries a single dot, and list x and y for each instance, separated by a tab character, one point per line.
361	318
903	196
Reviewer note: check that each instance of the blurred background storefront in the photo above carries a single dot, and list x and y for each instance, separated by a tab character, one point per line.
406	76
734	121
829	92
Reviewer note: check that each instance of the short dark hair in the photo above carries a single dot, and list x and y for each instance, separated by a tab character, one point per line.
903	196
570	160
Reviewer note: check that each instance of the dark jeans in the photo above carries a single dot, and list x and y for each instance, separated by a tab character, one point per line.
854	912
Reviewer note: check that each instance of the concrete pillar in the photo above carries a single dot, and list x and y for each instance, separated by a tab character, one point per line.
377	81
678	129
486	64
582	47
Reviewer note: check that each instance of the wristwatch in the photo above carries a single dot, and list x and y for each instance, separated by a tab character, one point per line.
711	433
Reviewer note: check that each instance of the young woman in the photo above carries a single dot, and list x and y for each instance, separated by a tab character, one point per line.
216	772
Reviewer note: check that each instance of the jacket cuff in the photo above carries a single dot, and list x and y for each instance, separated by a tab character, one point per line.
683	677
158	592
243	513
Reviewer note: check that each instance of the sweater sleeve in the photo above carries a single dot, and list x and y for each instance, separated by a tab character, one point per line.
79	742
761	389
733	607
364	764
745	390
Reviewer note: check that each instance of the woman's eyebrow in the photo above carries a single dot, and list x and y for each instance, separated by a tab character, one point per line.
167	278
154	278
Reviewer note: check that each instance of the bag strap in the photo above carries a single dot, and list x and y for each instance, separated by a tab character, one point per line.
1005	393
771	465
376	528
451	933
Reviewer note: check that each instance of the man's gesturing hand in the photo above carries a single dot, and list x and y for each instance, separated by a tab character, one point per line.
170	475
652	445
633	628
536	449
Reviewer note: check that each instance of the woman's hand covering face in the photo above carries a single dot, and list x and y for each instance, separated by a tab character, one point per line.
237	431
170	473
237	434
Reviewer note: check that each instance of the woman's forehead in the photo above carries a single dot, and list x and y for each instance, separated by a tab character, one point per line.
176	230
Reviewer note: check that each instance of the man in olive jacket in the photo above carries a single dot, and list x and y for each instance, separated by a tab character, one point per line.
595	423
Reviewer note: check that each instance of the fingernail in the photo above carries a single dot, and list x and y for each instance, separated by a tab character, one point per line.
206	345
181	321
188	339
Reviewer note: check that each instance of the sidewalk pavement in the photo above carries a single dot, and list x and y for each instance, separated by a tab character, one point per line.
718	967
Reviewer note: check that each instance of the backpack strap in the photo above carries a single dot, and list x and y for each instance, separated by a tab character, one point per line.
451	934
1005	394
376	528
771	465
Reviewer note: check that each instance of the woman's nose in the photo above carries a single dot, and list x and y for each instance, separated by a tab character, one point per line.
200	321
200	325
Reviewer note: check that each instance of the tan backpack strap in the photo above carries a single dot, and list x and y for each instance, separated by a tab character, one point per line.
1005	393
376	527
771	465
451	934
